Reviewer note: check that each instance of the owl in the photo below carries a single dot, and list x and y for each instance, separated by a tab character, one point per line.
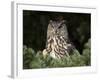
58	44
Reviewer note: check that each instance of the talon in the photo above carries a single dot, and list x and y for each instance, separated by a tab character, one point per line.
45	53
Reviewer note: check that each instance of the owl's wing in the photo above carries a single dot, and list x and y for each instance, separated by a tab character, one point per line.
49	33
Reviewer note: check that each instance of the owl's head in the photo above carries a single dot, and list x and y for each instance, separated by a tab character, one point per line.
57	24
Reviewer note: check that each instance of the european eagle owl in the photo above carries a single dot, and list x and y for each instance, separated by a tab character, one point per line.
58	44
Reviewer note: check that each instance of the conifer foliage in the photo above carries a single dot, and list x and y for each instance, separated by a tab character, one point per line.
32	59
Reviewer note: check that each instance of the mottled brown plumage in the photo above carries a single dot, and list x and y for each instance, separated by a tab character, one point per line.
57	39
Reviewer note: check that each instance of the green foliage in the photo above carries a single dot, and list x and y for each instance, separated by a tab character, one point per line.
31	59
28	55
87	53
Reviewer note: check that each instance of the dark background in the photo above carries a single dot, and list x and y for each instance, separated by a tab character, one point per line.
35	25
